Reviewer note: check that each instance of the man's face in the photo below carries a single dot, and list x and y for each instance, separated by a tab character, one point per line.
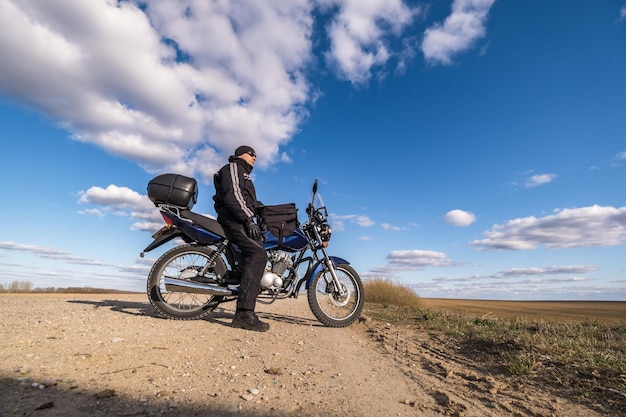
249	158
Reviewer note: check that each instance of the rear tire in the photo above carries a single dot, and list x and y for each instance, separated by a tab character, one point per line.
332	308
177	263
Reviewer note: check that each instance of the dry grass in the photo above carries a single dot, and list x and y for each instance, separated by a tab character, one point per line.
585	357
387	293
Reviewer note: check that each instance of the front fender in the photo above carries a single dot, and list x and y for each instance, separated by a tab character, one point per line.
319	266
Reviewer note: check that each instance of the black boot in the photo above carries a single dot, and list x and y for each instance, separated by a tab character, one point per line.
249	321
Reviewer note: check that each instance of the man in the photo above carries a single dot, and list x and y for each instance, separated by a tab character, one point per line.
236	204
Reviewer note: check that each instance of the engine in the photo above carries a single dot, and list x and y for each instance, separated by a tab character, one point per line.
278	263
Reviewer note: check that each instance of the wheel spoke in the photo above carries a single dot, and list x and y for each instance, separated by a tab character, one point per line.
183	263
335	305
188	262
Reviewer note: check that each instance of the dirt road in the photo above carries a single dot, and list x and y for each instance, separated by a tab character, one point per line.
107	355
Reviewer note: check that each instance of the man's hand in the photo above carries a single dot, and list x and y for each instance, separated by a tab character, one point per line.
253	231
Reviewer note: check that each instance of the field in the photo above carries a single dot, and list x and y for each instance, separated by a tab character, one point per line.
577	348
561	311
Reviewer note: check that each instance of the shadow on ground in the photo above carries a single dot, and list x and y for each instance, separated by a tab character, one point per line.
121	306
221	316
18	397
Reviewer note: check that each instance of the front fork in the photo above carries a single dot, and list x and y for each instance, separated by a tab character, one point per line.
329	263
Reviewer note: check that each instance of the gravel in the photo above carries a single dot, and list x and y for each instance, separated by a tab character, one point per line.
108	355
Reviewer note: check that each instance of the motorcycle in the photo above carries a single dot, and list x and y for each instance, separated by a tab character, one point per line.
190	280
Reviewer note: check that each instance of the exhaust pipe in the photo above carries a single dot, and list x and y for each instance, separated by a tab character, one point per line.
179	285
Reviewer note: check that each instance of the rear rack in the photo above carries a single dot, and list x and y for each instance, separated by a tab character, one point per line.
175	210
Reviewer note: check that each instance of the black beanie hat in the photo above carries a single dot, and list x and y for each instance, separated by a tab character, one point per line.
244	149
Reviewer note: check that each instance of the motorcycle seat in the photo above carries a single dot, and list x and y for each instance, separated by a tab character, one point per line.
208	223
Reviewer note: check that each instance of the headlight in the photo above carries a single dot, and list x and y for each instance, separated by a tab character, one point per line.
325	232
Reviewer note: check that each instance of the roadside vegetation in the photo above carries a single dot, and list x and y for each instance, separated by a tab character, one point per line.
585	360
27	287
387	293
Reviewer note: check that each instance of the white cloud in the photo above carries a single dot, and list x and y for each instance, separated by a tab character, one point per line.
92	212
410	260
98	69
146	226
390	227
416	258
49	253
364	221
622	13
114	196
621	155
174	85
460	217
548	289
357	34
338	221
551	270
113	276
124	202
459	32
527	272
568	228
284	157
539	179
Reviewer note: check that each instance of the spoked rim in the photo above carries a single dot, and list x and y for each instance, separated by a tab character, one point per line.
337	306
179	268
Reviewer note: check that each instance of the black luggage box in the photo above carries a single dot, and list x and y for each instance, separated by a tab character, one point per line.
174	189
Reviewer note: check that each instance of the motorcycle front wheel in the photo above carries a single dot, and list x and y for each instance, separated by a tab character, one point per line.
183	263
336	308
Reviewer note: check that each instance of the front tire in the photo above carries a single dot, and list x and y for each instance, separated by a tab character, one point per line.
182	262
332	308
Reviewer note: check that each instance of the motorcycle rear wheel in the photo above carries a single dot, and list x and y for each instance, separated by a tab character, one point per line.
330	307
177	263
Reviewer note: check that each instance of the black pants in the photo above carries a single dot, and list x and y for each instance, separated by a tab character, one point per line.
254	261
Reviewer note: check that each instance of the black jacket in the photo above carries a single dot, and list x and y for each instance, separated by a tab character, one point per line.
235	195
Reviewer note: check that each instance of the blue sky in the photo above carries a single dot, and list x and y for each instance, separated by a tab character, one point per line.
466	148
